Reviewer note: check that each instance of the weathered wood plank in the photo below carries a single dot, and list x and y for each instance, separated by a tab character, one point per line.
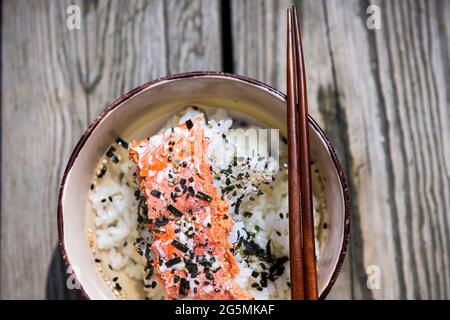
383	98
55	80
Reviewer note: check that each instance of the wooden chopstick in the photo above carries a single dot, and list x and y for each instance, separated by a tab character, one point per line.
309	254
299	162
295	232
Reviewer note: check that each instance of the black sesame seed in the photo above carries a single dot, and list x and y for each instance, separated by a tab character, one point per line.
209	276
92	186
325	225
153	285
97	260
118	287
217	290
255	274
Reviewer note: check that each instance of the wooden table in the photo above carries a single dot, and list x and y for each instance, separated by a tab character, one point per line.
381	95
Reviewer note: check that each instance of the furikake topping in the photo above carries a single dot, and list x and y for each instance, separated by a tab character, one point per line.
180	246
155	193
203	196
161	222
122	143
277	268
238	204
263	281
191	268
174	211
191	191
189	124
184	286
110	154
102	172
247	214
207	263
172	262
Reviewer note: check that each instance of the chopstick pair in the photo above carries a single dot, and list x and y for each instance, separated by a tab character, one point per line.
301	223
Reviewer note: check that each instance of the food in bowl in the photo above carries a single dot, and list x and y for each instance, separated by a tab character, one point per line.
180	224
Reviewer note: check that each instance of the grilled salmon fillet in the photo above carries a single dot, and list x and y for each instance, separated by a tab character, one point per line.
187	219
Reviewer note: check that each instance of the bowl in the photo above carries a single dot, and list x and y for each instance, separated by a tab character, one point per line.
144	110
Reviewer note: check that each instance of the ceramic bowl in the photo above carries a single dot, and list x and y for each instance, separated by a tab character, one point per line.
142	112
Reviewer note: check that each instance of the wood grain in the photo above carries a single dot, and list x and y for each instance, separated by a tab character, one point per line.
55	81
382	97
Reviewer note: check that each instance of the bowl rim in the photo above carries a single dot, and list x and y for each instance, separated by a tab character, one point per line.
202	74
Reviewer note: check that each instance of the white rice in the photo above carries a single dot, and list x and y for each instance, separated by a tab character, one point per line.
262	214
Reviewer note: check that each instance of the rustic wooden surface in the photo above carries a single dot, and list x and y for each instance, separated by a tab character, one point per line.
381	95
